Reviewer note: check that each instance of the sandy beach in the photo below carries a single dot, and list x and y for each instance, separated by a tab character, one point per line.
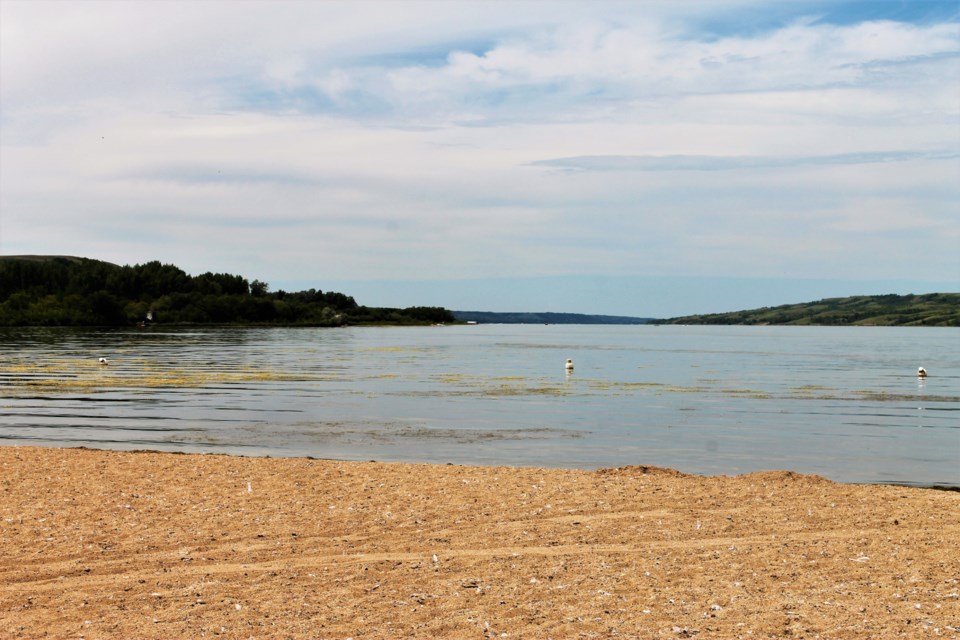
103	544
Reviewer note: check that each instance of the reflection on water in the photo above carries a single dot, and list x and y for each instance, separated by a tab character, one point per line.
841	402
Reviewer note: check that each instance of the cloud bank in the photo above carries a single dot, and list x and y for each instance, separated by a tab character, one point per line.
295	141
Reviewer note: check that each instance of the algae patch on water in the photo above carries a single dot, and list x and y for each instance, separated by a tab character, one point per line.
522	390
74	375
472	385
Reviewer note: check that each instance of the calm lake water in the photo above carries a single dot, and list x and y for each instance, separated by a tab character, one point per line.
844	403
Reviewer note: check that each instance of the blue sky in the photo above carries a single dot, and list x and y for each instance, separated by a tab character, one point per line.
627	158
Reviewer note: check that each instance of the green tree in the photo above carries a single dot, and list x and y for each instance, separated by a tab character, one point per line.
259	289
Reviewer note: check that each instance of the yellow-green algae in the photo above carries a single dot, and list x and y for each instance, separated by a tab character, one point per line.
518	385
66	375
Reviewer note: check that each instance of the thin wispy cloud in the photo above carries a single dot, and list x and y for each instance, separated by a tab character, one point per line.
732	163
344	141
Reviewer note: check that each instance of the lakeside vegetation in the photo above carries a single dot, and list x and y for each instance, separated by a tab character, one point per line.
71	291
926	310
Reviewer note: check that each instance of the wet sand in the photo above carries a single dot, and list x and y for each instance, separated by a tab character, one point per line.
102	544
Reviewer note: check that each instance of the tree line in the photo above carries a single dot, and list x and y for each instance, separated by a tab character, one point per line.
69	291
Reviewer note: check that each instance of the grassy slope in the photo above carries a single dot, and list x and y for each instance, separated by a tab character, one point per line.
932	309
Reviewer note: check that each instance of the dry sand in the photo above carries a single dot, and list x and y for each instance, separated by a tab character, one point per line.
149	545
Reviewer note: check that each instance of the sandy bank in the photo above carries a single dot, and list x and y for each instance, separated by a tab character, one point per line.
147	545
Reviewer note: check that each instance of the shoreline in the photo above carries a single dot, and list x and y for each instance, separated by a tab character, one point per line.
936	486
152	544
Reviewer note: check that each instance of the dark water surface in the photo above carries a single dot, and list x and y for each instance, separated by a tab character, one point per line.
840	402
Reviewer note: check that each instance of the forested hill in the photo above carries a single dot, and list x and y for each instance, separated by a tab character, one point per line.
71	291
491	317
928	310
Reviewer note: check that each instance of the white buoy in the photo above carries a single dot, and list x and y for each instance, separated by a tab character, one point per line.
921	373
104	361
569	364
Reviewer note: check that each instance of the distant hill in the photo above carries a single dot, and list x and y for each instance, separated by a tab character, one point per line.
75	260
927	310
490	317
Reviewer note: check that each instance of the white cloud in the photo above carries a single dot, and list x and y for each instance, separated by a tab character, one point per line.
389	139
